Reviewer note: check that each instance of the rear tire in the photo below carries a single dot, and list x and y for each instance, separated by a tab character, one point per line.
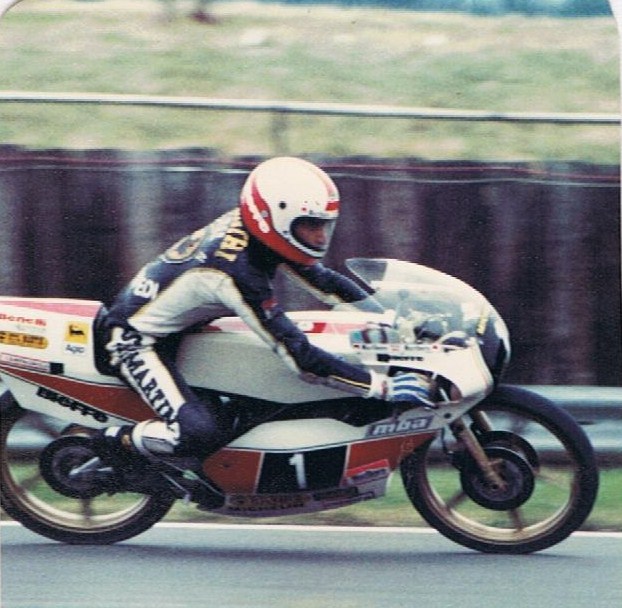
26	497
565	477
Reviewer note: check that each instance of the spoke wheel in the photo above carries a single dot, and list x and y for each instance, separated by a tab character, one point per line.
92	518
541	453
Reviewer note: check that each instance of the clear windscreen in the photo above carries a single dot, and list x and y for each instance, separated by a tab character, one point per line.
433	303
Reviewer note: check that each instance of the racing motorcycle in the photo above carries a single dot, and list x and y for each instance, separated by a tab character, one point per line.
493	467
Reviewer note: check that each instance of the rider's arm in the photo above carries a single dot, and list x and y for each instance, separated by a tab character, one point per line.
260	311
330	286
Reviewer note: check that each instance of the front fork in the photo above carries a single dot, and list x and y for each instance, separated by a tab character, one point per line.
466	437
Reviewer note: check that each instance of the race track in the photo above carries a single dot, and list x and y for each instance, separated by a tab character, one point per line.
178	566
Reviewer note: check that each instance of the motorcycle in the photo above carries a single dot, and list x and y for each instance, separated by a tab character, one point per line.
493	467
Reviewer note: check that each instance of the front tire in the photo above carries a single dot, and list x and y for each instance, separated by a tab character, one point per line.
26	497
560	461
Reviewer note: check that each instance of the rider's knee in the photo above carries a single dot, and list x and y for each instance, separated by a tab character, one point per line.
201	432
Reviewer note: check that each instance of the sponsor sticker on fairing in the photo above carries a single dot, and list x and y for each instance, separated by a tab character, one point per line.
22	320
397	427
267	502
77	332
27	363
11	338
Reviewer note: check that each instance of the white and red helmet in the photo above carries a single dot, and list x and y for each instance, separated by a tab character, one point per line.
280	191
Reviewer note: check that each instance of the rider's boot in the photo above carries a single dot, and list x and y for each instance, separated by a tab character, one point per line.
149	447
113	444
115	448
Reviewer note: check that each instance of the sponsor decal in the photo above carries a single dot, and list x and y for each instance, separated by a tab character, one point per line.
370	472
235	239
31	364
271	502
143	287
74	349
396	427
29	321
332	499
385	358
77	332
72	404
336	494
11	338
185	248
76	336
141	376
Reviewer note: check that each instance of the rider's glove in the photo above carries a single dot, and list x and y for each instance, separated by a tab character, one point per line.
407	387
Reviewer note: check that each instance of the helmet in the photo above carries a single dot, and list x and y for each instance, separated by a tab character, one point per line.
282	193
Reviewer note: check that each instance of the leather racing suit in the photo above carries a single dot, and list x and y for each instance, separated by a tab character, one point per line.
219	270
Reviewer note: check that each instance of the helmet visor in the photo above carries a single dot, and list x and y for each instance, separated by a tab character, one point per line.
313	232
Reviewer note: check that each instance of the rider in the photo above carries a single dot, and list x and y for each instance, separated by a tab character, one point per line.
286	216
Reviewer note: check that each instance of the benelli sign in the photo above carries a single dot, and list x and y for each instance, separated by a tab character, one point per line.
22	320
397	427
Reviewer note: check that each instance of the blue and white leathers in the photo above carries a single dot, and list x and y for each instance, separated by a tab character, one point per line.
219	270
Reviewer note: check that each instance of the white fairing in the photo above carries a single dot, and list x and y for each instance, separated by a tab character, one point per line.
436	324
238	362
433	324
234	360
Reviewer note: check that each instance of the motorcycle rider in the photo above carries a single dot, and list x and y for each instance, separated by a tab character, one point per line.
286	215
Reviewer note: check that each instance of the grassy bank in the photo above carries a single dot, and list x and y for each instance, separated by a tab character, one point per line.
325	54
395	510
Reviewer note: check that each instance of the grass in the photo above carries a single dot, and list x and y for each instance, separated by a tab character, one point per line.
392	510
326	54
395	510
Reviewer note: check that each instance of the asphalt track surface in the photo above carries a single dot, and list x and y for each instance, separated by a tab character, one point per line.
179	566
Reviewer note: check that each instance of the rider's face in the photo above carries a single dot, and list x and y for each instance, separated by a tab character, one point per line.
314	232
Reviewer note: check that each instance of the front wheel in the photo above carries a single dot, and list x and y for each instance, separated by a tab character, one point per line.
27	497
541	454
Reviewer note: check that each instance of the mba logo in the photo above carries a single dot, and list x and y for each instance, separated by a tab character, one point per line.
398	427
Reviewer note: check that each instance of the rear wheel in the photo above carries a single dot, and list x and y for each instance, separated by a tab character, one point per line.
544	460
93	518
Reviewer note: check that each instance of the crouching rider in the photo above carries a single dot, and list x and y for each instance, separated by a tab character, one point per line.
286	216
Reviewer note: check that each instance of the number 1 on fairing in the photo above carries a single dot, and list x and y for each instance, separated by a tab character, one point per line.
298	462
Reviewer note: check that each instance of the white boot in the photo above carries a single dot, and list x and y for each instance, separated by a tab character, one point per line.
155	437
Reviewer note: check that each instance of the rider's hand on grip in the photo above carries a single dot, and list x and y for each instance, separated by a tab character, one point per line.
410	387
407	387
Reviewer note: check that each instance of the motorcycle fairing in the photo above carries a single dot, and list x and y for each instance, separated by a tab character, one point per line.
260	483
223	344
88	403
49	343
47	360
278	467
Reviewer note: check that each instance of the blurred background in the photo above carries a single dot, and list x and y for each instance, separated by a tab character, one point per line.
528	211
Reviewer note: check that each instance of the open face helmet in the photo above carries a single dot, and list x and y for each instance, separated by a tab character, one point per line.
284	201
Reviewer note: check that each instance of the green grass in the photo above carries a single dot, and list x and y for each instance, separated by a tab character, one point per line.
326	54
395	510
392	510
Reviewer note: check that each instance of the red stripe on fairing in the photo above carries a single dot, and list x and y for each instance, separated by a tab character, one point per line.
116	400
236	325
78	309
393	449
237	471
234	471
